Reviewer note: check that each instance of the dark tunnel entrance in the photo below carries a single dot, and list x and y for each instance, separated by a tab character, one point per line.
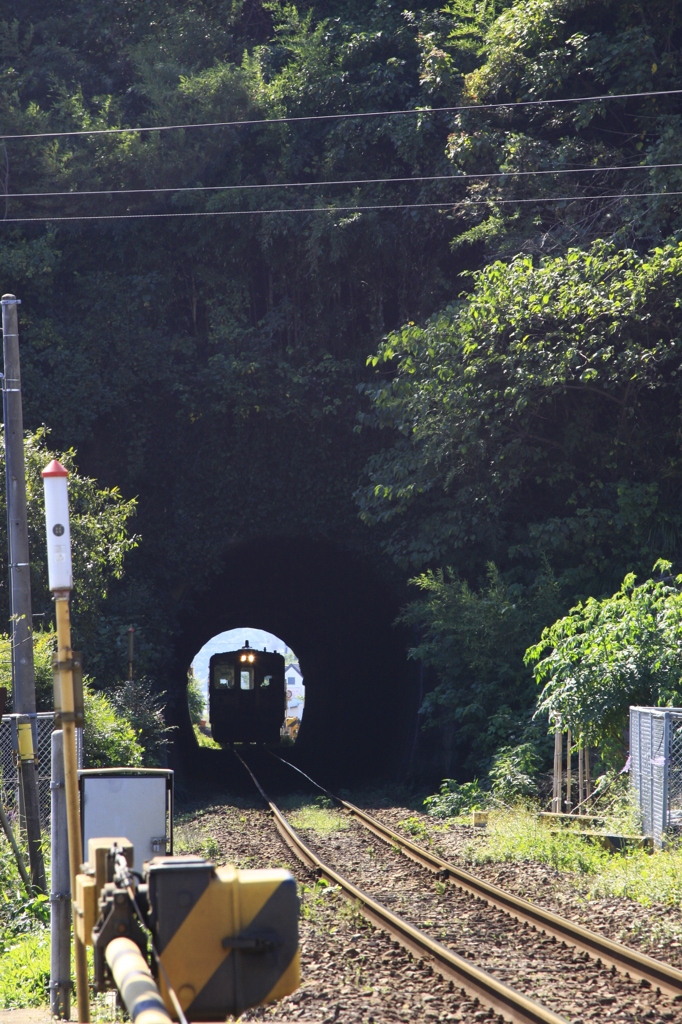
361	698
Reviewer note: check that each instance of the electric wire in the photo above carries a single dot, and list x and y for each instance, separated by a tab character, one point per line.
464	177
343	117
49	219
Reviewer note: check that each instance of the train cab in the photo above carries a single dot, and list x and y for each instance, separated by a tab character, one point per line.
247	696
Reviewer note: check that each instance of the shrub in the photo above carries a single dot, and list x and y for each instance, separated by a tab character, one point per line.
136	701
195	701
109	740
513	770
455	798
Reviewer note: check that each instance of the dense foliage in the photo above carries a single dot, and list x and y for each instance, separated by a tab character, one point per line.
539	417
475	641
531	422
608	654
100	535
537	423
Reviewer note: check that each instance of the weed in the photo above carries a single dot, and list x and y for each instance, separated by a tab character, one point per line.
25	971
351	912
322	820
210	849
204	740
415	827
440	887
454	798
314	898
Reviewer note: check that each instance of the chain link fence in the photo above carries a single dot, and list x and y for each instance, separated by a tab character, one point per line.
9	780
656	769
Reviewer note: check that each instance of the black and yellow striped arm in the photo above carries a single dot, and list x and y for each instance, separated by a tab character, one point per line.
228	939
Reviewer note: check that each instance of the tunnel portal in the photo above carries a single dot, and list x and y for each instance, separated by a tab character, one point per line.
361	699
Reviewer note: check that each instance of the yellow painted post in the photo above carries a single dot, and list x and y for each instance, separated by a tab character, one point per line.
60	577
73	819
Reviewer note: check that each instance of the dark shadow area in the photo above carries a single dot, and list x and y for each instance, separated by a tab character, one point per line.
361	697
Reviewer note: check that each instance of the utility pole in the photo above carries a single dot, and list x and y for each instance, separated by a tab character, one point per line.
23	673
131	652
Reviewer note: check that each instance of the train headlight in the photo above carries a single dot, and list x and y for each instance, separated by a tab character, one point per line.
251	657
243	657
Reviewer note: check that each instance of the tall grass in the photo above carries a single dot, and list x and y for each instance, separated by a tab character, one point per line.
25	973
519	835
24	939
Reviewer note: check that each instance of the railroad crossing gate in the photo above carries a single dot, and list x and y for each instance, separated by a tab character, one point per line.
656	769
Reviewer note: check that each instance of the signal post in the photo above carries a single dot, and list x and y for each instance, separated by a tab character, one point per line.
68	702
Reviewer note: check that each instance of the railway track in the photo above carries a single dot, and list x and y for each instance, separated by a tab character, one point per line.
501	999
461	971
626	961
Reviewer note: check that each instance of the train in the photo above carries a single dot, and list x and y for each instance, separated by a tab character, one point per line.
247	696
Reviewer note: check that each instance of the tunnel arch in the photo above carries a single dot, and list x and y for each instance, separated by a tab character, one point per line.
339	617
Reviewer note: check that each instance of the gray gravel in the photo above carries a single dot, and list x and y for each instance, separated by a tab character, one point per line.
353	973
350	971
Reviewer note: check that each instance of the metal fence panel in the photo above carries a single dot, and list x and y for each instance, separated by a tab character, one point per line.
656	769
9	783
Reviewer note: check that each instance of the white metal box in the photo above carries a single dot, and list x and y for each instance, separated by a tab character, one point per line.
132	802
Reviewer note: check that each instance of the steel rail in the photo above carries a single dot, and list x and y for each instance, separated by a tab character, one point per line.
623	958
502	999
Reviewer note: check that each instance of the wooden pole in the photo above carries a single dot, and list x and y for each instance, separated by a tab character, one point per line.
558	749
569	779
588	787
65	668
581	778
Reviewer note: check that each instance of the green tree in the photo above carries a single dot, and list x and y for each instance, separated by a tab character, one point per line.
474	640
560	49
100	539
137	701
537	418
606	655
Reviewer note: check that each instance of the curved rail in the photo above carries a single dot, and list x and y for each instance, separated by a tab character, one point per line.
477	983
626	961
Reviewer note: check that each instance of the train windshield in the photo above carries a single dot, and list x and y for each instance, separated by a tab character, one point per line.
223	677
246	682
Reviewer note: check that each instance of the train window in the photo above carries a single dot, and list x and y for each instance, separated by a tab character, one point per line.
223	677
246	679
266	680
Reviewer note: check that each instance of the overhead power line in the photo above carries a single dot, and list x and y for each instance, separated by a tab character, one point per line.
345	117
343	181
326	209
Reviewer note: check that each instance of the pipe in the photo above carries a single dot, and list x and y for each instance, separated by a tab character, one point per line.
135	983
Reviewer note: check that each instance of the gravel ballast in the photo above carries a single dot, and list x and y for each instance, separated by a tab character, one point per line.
351	972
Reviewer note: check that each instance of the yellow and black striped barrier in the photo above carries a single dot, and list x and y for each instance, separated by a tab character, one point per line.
222	940
227	939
